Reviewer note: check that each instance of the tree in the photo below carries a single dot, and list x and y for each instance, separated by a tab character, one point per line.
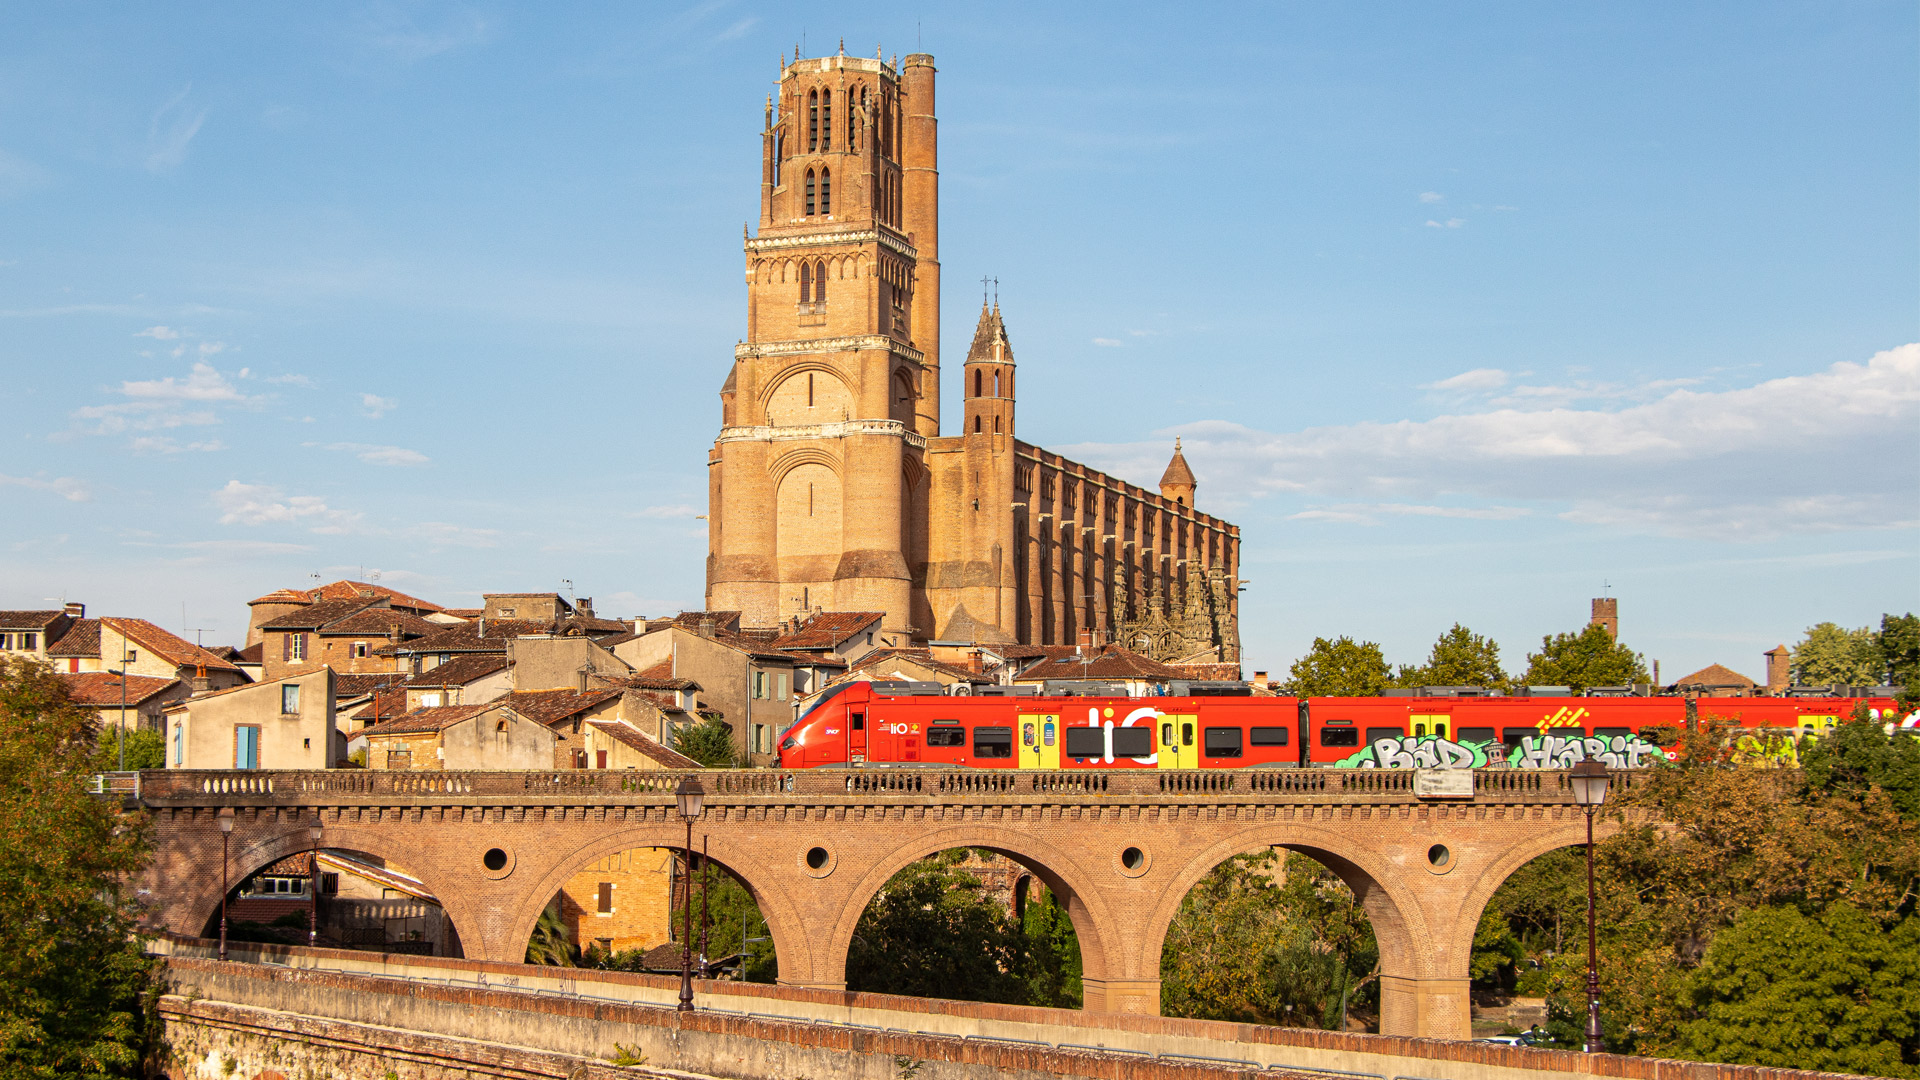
79	991
145	750
1342	667
1460	658
1054	952
1858	756
709	742
1897	646
1588	658
931	933
1830	654
1833	993
550	944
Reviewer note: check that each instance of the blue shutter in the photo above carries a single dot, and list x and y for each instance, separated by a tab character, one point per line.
246	748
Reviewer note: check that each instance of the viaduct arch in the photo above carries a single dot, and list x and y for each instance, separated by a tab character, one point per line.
1120	849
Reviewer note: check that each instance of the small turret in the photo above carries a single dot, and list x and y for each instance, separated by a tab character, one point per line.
1177	483
988	377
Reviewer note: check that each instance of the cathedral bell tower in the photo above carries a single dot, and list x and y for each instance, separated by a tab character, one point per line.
817	483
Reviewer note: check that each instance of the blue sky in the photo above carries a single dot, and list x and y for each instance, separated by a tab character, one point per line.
1465	312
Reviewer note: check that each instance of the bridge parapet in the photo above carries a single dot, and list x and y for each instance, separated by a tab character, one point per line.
183	787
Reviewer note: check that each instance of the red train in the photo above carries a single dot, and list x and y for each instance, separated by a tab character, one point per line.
905	725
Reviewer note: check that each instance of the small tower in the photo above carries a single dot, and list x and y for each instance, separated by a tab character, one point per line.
1606	613
988	377
1177	483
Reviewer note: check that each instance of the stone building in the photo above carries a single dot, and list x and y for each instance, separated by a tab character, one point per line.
830	485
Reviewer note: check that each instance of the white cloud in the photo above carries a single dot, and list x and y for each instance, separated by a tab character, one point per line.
1432	197
376	406
163	444
66	487
159	333
1450	223
736	29
1485	378
259	504
1828	451
1107	342
378	455
204	384
161	404
172	128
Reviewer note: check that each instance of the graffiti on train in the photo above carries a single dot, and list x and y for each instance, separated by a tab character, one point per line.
1533	752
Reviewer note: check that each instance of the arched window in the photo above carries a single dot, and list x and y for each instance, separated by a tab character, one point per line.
996	384
976	383
996	425
976	425
813	120
820	283
806	283
779	151
826	191
853	121
826	120
809	192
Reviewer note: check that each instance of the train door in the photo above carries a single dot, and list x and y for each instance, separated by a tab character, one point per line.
1177	737
857	735
1431	724
1039	741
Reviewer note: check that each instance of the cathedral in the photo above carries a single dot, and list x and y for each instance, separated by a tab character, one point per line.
831	486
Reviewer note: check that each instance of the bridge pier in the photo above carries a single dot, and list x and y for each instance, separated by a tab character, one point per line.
1139	997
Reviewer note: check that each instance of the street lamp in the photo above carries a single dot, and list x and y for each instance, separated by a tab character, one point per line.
123	714
692	798
226	832
1589	780
313	884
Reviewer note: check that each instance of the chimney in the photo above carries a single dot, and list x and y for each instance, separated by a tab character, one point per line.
1779	669
1260	680
201	684
1086	636
1606	612
393	632
580	681
584	606
77	610
706	626
974	662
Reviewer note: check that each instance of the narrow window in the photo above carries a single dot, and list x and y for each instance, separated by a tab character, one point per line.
976	383
806	274
996	425
976	425
853	120
779	152
996	385
290	700
809	192
820	269
826	120
826	191
809	389
809	498
606	897
813	122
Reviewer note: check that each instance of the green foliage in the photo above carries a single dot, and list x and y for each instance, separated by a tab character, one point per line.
1588	658
145	749
1832	654
1460	658
1858	756
1261	940
931	933
733	920
709	742
1342	667
1897	645
550	944
1833	993
79	992
1053	952
627	1055
358	759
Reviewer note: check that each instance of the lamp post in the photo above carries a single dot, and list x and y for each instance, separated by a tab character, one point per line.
226	832
706	915
1589	780
123	714
313	884
691	797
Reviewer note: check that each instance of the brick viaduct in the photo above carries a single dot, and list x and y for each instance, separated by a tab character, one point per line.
1120	849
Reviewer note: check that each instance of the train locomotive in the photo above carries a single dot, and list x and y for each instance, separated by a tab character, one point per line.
908	725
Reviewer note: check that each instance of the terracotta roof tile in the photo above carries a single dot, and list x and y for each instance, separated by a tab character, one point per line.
1714	675
628	735
386	705
827	630
1109	662
380	621
320	613
97	689
431	718
344	590
881	657
27	620
350	685
168	646
551	706
283	596
492	636
253	654
460	670
1208	672
82	639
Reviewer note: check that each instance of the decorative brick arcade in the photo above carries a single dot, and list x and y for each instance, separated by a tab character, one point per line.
1121	850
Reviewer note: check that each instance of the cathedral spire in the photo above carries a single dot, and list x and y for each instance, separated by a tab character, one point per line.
1177	483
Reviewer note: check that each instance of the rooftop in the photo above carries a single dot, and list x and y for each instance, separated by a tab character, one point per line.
98	689
168	646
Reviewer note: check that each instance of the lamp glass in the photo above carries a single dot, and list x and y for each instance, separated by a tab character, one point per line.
226	821
691	798
313	833
1589	780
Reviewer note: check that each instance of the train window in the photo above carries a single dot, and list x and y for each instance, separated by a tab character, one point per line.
1610	732
952	736
1339	737
1568	732
1514	736
1132	741
1269	736
1374	734
1476	734
1186	734
991	741
1086	742
1166	734
1223	741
